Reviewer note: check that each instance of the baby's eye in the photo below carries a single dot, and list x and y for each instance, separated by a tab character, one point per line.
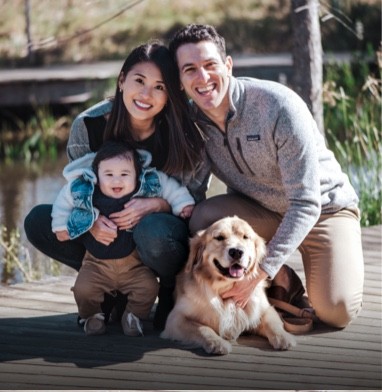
220	238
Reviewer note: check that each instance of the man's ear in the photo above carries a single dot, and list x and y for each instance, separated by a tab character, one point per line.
229	64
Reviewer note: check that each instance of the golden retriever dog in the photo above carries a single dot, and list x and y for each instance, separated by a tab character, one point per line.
226	252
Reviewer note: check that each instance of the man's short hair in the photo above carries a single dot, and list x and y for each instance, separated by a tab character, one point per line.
193	33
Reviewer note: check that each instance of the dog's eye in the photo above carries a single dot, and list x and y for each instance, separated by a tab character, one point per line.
220	238
245	237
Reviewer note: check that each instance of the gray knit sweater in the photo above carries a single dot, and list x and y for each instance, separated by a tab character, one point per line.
273	152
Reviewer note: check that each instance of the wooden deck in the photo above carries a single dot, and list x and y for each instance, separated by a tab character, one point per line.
41	347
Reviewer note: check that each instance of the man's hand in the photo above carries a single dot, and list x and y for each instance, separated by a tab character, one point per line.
136	209
242	290
104	230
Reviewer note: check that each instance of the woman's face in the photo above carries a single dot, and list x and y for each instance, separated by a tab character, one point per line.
144	93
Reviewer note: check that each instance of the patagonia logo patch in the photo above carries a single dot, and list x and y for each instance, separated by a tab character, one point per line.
253	138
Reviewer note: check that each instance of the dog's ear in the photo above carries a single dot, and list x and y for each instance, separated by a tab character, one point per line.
196	251
261	249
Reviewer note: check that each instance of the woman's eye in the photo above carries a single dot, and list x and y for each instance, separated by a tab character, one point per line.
161	88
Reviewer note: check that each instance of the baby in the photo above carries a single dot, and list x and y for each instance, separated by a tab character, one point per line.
103	183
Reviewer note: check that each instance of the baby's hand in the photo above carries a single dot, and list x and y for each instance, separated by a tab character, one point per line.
62	235
187	211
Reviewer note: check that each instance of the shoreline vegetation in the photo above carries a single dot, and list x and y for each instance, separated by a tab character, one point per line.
30	34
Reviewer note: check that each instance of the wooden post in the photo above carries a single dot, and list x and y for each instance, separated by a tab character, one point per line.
30	54
307	56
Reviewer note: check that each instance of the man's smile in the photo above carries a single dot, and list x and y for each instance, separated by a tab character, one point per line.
207	89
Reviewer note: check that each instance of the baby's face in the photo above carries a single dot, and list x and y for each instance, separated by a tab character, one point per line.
117	176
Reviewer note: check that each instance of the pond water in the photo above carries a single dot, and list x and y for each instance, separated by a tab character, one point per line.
22	186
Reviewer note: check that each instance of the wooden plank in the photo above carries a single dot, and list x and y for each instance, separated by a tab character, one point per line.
41	347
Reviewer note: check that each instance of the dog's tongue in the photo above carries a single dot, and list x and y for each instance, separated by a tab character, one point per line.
236	271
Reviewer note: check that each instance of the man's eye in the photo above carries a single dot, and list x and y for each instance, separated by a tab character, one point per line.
220	238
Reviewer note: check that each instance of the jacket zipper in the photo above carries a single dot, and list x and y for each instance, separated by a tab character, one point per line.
242	155
226	143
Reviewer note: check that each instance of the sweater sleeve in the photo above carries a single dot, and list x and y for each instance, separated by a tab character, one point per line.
78	143
295	138
176	195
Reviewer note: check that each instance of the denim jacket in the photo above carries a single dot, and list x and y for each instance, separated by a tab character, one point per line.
73	208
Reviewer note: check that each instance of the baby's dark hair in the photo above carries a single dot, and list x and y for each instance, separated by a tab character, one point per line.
111	149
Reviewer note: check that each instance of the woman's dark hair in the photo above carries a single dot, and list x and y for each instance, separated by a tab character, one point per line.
173	125
111	149
194	33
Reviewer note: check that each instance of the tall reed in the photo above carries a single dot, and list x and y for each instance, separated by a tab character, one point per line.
41	136
352	99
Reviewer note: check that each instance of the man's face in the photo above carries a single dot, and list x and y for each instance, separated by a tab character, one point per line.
205	77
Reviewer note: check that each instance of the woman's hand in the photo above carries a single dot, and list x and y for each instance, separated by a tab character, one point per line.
242	290
104	230
136	209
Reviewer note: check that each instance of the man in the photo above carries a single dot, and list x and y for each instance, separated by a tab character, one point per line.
263	143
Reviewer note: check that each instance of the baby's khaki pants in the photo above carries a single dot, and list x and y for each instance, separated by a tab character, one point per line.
128	275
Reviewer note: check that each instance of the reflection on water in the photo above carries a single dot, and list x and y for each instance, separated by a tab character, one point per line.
22	186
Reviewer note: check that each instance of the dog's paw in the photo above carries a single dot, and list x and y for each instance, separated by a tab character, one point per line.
282	341
218	347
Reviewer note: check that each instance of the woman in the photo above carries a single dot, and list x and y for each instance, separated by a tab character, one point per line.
149	110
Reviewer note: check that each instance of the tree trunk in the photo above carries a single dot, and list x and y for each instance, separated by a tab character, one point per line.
27	12
307	56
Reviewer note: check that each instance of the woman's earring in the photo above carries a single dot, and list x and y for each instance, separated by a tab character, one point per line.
120	90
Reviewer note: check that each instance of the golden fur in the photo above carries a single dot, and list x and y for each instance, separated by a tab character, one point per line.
228	251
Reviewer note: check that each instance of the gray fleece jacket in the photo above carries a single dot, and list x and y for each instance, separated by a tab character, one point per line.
272	152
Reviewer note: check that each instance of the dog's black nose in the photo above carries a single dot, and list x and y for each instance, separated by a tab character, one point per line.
235	253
